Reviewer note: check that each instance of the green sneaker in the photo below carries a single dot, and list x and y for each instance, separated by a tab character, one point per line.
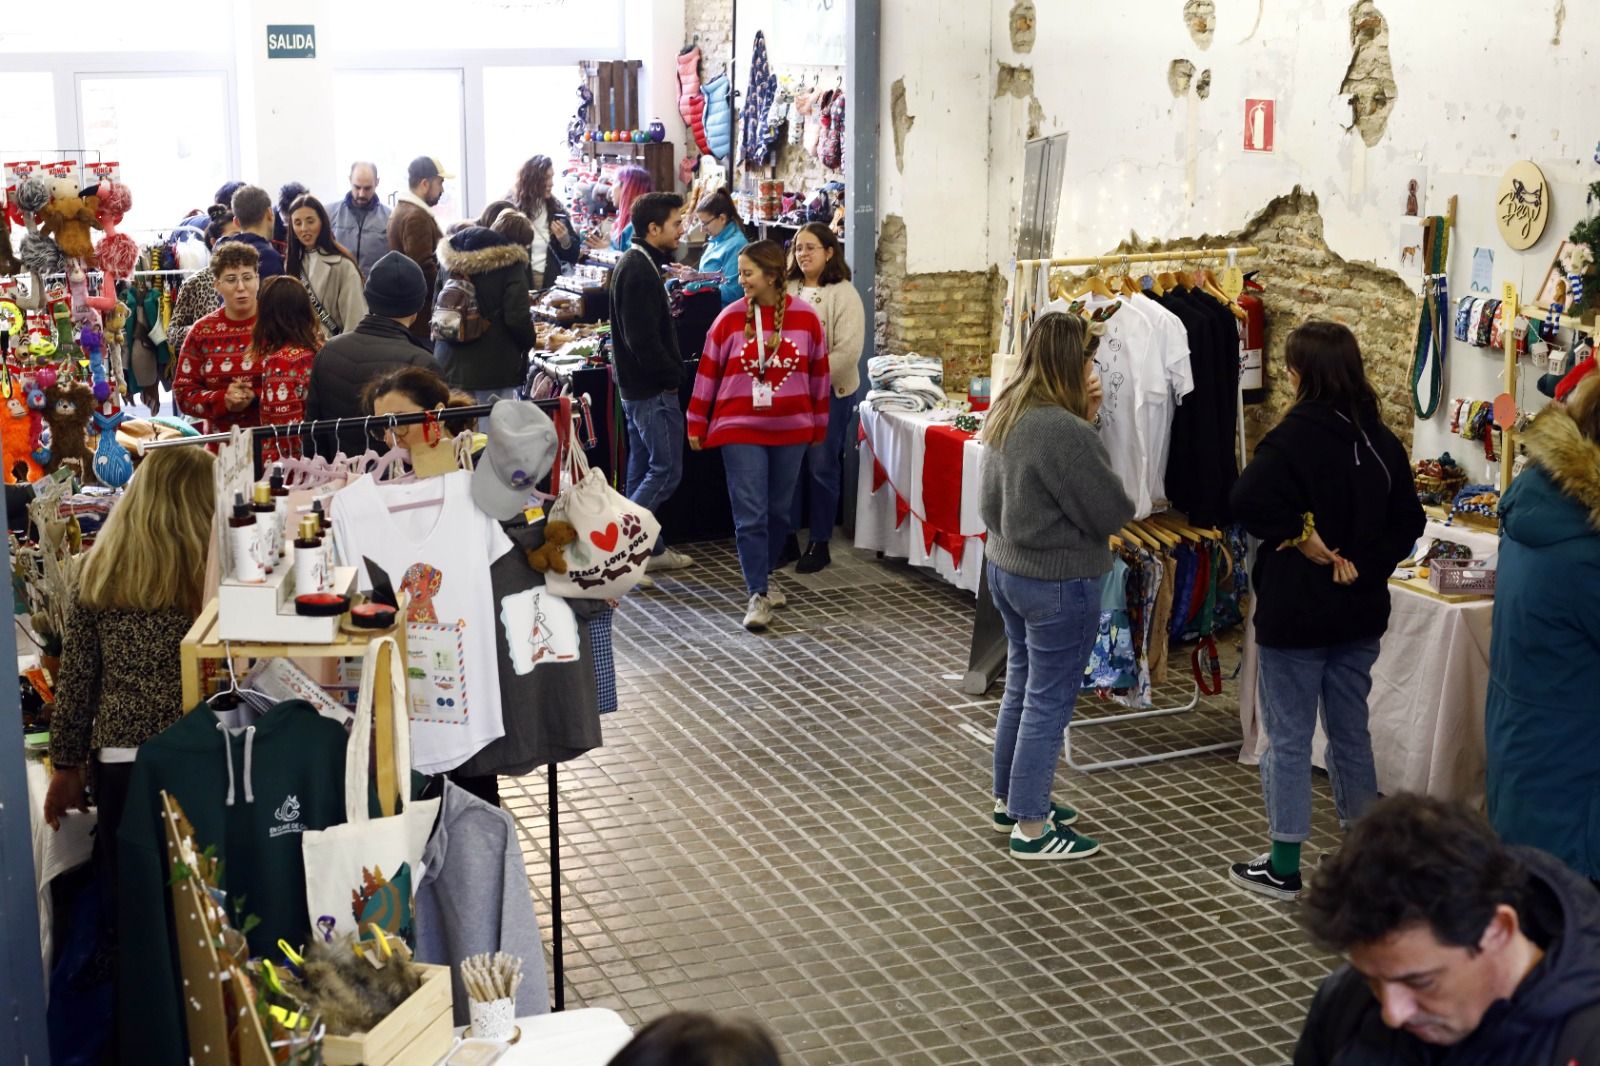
1060	814
1054	843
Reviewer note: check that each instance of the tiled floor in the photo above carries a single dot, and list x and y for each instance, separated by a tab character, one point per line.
794	827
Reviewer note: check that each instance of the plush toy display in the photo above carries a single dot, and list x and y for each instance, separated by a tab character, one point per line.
18	438
116	252
68	407
112	466
548	556
38	253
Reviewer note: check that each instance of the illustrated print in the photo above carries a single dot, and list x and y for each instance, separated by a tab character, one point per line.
421	582
384	902
540	628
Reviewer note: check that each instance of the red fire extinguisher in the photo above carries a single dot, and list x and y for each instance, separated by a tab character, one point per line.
1253	353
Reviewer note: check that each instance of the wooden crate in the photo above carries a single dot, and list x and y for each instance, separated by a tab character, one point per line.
418	1033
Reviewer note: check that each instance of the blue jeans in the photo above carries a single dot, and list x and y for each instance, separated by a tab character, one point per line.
1050	628
825	471
761	481
655	451
1293	681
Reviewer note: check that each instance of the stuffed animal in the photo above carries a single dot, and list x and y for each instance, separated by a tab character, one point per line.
68	407
548	556
116	252
69	217
38	253
17	440
112	466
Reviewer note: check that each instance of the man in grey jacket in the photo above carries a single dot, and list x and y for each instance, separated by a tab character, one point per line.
360	220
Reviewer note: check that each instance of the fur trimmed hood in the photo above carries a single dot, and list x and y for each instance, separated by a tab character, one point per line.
1571	460
481	259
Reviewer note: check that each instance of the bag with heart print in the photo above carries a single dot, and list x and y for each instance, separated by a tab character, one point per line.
614	535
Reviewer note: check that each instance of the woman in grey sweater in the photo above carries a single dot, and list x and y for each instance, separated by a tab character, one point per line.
1050	502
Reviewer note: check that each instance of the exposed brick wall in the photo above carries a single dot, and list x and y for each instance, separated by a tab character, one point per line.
1305	279
953	314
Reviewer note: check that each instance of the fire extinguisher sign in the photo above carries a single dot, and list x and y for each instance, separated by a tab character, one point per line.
1258	125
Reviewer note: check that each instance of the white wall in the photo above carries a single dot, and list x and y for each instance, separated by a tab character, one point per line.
1475	94
284	131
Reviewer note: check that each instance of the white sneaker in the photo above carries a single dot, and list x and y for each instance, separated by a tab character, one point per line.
775	594
669	560
759	616
645	582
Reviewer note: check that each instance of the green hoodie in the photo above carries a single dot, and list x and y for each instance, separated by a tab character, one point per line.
250	792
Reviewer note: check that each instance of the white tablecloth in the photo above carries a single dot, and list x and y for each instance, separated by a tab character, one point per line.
588	1037
898	441
54	852
1429	687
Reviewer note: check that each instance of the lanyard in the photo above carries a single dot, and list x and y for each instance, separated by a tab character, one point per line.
761	347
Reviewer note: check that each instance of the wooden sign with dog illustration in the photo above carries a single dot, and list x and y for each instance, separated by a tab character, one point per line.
1522	208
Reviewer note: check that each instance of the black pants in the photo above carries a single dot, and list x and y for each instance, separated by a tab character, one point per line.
110	781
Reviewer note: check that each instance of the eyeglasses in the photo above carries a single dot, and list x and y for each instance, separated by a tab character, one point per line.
233	280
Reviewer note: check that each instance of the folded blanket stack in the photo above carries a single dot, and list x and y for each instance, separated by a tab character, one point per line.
905	382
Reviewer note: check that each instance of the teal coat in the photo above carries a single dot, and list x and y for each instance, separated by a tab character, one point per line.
722	257
1543	712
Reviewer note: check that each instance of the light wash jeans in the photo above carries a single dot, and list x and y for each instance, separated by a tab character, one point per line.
1292	683
1050	630
824	471
655	451
761	481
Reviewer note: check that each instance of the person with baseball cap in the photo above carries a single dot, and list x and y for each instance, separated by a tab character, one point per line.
415	233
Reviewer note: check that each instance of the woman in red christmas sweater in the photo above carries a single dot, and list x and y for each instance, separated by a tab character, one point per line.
761	395
286	341
218	375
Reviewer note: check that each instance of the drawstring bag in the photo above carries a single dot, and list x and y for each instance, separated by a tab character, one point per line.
363	873
613	535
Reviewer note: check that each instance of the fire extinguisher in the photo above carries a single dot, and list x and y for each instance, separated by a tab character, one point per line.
1253	353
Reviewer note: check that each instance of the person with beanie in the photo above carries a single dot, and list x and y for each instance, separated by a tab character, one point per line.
382	341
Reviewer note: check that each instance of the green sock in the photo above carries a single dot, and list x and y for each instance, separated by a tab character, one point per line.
1285	858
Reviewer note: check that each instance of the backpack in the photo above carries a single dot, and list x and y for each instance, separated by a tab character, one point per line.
456	317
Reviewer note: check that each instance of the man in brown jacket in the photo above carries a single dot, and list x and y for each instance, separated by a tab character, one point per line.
415	233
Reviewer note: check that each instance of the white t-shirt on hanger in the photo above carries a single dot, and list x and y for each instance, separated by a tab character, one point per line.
437	547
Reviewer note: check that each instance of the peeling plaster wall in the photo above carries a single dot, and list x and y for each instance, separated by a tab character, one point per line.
1464	110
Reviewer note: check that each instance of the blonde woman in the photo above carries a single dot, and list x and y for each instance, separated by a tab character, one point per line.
1050	502
119	683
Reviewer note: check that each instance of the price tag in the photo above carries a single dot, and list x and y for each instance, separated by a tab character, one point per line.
1231	283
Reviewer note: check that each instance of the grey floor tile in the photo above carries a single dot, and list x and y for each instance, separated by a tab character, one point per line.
792	827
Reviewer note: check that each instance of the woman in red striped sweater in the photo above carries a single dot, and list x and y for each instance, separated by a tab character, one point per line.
761	395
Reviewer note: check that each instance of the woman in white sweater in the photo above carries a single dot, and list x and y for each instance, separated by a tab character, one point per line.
818	274
328	271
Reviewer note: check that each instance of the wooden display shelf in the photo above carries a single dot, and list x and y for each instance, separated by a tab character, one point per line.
202	642
657	158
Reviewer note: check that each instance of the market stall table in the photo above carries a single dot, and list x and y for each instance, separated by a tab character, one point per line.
1429	687
587	1037
917	496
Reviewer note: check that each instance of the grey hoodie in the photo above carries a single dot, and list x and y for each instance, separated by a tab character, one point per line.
473	897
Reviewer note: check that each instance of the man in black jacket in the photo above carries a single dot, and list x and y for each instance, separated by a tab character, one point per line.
382	341
1461	949
649	366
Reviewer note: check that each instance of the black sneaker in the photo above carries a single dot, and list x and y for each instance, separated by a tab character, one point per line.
815	558
1258	877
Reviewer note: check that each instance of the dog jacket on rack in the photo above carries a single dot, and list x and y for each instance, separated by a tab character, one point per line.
691	100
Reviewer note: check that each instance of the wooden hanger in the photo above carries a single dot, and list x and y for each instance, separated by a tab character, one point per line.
1165	536
1166	522
1166	281
1184	278
1133	533
1093	283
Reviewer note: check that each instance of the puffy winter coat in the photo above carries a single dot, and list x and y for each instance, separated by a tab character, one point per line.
1544	655
719	117
691	99
345	365
502	277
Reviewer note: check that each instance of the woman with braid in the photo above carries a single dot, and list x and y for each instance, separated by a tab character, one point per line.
761	395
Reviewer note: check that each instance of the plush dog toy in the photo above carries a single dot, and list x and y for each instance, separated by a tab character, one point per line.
116	252
69	217
17	439
68	407
548	557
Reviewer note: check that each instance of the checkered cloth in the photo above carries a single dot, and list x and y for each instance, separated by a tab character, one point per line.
605	667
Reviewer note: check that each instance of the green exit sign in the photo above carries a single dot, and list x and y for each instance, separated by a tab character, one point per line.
291	42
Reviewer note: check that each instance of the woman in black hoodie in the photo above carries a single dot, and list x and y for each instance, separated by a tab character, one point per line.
1330	496
494	364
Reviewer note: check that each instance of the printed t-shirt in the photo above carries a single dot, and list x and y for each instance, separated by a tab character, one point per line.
439	553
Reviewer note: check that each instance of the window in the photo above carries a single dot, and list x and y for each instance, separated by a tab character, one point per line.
114	26
392	116
409	25
172	167
525	113
29	131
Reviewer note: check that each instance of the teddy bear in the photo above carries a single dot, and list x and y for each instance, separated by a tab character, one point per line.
68	407
69	217
548	557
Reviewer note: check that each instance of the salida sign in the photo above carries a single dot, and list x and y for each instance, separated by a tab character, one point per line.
291	42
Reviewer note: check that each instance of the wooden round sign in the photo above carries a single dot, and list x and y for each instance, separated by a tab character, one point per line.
1522	207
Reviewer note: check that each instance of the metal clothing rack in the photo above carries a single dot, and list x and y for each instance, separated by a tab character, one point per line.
562	406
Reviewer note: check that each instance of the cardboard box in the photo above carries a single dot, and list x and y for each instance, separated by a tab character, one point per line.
418	1033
